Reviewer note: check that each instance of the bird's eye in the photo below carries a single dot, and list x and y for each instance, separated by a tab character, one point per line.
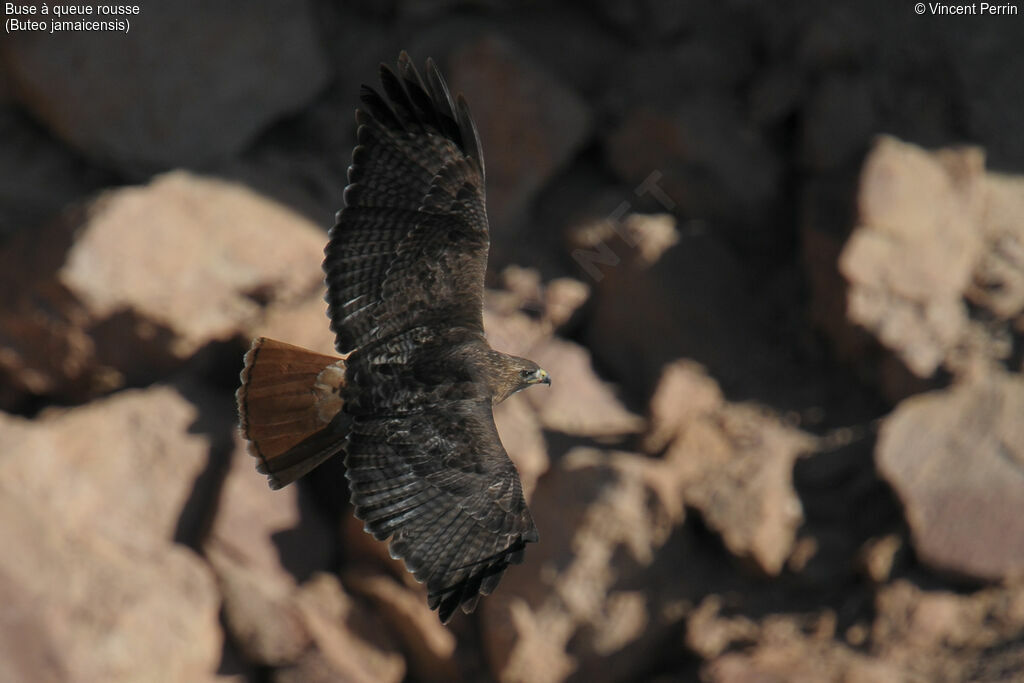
525	373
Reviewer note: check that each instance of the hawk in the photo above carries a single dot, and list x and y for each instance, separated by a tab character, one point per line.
409	403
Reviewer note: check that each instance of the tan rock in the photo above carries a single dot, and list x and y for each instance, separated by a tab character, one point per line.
684	393
351	642
917	636
577	401
190	253
313	631
932	230
303	323
520	431
998	283
573	607
90	498
526	310
562	298
879	556
956	460
803	662
259	610
938	635
512	331
645	237
252	522
911	257
709	633
429	646
27	651
144	277
123	467
522	289
256	569
732	462
779	647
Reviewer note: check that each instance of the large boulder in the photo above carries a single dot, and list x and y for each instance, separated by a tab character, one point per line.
934	234
530	125
733	462
261	544
911	256
350	640
944	635
90	500
142	278
956	460
588	600
174	85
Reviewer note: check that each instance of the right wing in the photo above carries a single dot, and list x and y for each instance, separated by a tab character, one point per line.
427	468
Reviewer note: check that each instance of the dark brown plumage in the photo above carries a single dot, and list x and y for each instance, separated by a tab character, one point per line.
411	404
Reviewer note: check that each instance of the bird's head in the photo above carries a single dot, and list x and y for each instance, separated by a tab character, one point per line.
531	373
517	374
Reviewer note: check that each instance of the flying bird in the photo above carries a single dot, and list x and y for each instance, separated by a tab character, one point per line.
410	402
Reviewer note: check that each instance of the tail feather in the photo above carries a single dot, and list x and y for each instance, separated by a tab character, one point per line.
290	408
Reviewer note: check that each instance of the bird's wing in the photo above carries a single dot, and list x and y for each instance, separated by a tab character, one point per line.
426	467
412	240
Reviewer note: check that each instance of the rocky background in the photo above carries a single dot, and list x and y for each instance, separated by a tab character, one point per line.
772	254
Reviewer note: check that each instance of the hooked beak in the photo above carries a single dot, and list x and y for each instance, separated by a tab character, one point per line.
540	376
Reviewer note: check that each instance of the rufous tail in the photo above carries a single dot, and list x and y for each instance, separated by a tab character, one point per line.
289	408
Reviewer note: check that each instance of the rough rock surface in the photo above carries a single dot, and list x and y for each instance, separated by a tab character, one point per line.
940	635
917	636
523	438
731	462
351	642
429	646
956	460
577	402
237	67
788	648
912	255
173	266
575	606
260	545
303	323
998	283
933	269
259	610
685	228
215	234
91	498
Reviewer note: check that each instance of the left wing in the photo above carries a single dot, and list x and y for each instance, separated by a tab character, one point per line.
412	240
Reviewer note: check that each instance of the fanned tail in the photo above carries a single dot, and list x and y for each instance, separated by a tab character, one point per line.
290	408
